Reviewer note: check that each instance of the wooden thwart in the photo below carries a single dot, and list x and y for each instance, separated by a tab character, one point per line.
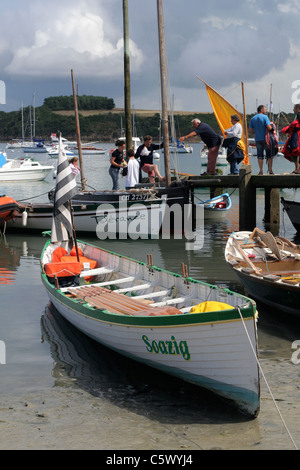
103	298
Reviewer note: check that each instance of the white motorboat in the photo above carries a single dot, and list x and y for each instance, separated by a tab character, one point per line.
136	142
221	160
22	169
180	147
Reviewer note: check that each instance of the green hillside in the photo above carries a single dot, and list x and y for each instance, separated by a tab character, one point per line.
101	123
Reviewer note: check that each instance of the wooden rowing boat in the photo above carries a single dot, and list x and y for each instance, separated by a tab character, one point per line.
196	331
268	267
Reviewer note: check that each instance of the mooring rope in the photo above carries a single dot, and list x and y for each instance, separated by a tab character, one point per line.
264	377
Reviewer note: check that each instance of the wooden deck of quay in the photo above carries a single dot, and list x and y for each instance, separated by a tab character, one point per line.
247	183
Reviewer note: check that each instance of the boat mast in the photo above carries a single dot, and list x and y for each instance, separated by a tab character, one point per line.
270	104
165	123
245	127
83	180
34	115
23	133
128	128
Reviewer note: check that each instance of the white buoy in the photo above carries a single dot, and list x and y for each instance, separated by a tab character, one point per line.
24	218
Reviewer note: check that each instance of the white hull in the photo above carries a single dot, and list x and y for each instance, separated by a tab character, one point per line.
90	152
214	216
211	349
35	149
23	170
14	145
105	219
218	360
54	154
216	209
221	160
184	149
136	142
24	175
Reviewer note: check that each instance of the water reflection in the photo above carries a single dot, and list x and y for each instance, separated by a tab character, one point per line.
79	361
9	261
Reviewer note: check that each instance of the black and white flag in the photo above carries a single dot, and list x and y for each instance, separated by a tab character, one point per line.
66	188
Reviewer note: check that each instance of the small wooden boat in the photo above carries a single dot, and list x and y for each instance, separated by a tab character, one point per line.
9	208
184	327
292	208
268	267
217	207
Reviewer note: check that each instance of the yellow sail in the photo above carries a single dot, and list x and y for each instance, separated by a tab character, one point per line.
223	110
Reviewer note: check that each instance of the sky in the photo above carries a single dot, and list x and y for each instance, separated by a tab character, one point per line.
223	42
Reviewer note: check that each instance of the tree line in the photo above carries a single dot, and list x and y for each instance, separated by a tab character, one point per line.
104	127
84	102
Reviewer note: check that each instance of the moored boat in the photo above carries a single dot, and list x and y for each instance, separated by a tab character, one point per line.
268	267
217	207
107	218
221	160
9	208
25	169
292	208
89	151
180	147
159	318
53	152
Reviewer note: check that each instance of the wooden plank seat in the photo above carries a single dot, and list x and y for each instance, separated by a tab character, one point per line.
103	298
121	280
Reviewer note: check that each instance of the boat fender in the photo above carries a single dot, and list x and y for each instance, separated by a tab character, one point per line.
210	306
24	218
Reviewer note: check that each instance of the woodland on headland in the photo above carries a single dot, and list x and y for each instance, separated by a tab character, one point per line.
99	120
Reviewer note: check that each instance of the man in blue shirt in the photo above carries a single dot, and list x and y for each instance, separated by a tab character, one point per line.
259	124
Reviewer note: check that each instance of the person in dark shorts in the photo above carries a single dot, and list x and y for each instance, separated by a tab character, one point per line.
145	153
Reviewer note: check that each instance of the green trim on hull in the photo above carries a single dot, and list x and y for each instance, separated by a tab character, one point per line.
159	321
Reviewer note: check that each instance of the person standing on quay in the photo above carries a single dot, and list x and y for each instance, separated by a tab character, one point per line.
211	139
259	124
116	162
291	149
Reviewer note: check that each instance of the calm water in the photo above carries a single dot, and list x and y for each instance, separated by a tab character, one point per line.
60	390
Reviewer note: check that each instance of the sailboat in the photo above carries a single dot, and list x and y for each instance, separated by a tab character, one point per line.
223	110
